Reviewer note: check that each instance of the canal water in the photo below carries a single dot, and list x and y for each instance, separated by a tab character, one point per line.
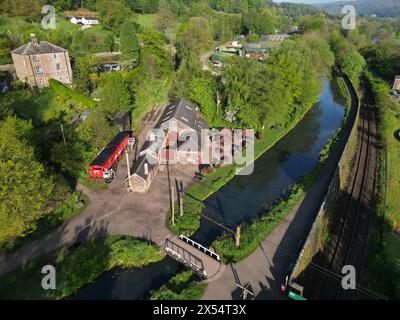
243	198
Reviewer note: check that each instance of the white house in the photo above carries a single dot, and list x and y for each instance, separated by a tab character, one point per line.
86	21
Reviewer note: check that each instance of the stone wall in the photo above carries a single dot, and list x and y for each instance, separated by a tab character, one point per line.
339	182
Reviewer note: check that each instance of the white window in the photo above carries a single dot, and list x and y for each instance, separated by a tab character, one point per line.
38	70
36	57
58	66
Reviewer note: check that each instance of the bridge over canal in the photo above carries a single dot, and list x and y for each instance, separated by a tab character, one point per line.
201	260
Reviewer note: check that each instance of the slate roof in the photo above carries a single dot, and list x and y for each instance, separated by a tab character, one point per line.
185	112
106	153
138	168
41	47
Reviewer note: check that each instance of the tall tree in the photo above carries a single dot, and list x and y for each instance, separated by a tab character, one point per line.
112	13
114	94
129	43
25	189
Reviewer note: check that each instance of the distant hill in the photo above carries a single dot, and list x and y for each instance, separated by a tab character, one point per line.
381	8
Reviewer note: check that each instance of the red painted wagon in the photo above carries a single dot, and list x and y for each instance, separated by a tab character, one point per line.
103	166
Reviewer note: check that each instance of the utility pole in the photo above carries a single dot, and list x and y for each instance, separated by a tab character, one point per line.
246	291
63	135
130	189
237	236
172	205
181	199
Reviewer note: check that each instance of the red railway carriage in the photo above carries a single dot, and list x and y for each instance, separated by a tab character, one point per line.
102	166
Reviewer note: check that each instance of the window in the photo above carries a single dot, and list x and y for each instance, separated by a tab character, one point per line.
38	70
58	66
36	57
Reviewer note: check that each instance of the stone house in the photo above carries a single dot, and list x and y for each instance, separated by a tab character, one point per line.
38	61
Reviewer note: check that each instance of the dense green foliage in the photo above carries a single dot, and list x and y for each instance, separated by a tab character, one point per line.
129	43
78	268
25	189
181	287
114	94
288	81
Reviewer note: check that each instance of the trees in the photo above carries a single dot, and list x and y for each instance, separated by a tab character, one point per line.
352	65
156	60
259	22
83	70
268	95
202	90
129	43
114	94
193	39
96	131
312	23
25	189
112	13
29	9
143	6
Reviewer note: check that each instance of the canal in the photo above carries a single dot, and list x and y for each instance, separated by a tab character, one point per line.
242	199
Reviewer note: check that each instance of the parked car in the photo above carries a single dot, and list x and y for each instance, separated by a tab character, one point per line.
284	285
217	64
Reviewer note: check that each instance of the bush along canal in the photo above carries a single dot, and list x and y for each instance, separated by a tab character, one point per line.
244	197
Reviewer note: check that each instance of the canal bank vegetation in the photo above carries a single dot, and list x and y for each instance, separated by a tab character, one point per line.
257	230
78	268
382	270
183	286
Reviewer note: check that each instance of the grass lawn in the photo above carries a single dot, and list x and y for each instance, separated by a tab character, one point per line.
78	268
147	20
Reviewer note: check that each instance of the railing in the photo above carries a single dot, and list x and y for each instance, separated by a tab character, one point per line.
185	257
200	247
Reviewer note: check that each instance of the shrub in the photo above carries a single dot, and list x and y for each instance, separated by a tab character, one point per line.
181	287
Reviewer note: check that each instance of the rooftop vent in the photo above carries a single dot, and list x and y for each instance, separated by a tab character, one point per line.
34	39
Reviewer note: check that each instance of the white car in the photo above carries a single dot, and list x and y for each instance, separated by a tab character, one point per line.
217	64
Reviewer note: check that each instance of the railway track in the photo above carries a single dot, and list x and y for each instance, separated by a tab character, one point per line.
353	227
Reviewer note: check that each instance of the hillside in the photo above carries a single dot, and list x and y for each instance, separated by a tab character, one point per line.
382	8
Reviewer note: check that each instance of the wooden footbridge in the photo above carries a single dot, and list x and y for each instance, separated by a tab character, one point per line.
201	260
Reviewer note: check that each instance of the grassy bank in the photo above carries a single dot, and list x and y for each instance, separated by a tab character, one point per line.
183	286
214	181
78	268
257	230
382	271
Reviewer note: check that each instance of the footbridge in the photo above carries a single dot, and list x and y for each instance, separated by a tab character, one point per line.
200	259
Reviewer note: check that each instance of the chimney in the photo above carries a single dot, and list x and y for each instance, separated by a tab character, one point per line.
34	40
146	169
